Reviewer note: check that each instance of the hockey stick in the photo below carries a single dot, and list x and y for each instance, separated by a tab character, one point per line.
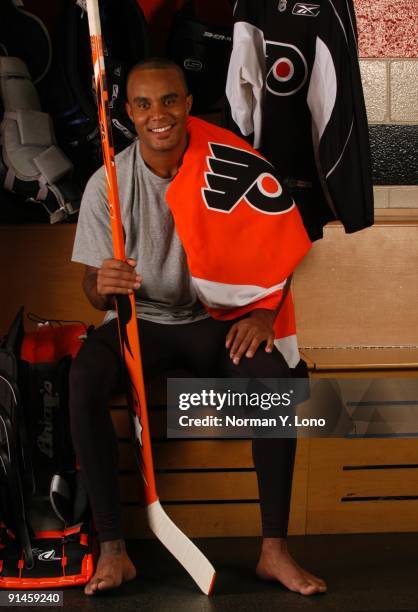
163	527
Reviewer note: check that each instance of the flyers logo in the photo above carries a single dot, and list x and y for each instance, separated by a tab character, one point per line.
306	10
235	175
287	69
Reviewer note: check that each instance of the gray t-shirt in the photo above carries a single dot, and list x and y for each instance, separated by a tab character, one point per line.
166	294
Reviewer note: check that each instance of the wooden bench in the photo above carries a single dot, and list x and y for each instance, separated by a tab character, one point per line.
356	300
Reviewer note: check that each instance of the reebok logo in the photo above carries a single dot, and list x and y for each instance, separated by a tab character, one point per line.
235	175
306	10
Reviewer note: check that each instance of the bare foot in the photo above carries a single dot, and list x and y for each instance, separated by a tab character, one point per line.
113	567
275	563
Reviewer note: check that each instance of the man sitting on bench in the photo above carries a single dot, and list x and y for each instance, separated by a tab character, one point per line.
175	329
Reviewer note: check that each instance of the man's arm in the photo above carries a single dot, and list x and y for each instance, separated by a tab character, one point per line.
246	335
113	277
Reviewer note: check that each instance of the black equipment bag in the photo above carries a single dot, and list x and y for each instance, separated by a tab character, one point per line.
46	531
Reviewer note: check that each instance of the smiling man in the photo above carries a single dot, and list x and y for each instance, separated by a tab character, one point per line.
158	104
176	330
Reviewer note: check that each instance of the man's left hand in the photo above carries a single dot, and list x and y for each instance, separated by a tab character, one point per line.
246	335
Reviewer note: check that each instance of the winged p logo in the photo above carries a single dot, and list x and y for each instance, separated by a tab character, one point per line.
287	68
235	175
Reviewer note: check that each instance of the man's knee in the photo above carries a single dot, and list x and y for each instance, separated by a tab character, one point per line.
261	365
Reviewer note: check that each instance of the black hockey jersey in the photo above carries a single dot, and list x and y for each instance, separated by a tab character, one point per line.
294	84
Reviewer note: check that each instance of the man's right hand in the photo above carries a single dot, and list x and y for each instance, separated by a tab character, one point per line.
114	277
117	277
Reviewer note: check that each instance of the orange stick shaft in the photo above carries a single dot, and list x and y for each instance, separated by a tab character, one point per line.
128	327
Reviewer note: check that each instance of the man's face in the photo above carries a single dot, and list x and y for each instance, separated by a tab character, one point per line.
158	106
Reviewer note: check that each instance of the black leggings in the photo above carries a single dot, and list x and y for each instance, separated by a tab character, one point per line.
198	348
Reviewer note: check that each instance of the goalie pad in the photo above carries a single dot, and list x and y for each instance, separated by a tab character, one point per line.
34	166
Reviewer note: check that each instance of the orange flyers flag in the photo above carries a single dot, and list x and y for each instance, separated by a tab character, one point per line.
242	233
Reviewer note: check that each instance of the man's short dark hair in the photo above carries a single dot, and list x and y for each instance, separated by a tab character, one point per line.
158	63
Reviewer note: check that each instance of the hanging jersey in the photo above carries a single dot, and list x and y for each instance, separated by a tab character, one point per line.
294	84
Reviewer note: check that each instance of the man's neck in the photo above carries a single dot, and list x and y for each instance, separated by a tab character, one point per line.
165	163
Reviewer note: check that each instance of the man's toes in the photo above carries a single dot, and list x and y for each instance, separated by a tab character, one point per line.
315	580
308	588
107	582
100	584
321	585
91	587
